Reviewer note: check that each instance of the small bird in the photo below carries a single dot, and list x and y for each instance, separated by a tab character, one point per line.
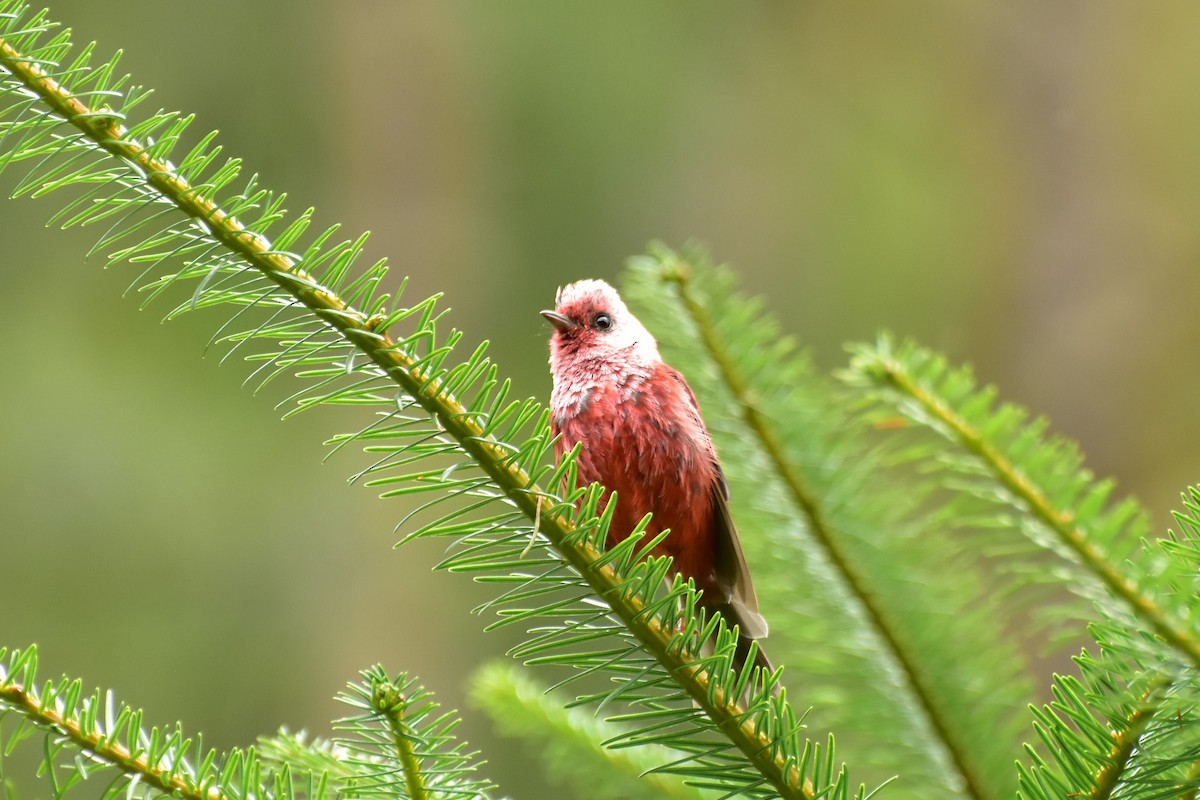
643	438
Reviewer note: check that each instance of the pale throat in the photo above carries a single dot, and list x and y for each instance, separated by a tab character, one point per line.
579	383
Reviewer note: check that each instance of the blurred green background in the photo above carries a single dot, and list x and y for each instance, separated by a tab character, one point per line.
1014	183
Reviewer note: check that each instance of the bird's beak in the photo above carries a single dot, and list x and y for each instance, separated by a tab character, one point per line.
560	321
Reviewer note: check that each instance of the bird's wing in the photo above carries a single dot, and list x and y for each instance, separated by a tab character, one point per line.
732	572
729	565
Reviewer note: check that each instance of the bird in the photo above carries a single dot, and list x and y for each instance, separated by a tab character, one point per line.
642	437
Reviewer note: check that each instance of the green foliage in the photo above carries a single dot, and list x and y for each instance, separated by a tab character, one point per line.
1128	725
918	682
1142	683
866	552
398	746
564	740
301	755
1035	484
299	303
89	736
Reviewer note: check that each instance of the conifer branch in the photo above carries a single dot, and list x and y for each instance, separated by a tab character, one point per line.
26	703
300	754
566	738
1193	775
156	177
822	532
1098	738
146	764
1060	521
390	702
1120	756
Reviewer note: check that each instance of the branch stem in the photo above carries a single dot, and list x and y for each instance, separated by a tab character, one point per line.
391	704
26	702
1124	743
1060	522
825	536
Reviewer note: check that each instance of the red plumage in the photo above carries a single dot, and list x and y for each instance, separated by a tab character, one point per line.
650	448
643	437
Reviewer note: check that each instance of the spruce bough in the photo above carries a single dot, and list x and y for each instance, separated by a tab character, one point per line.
301	305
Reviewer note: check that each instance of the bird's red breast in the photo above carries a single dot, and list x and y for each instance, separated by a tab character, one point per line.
643	438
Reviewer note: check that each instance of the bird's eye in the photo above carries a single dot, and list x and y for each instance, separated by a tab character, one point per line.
602	322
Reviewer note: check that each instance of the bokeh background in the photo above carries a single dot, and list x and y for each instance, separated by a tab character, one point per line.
1014	183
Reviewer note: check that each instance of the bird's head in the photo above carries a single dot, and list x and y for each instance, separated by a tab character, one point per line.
591	323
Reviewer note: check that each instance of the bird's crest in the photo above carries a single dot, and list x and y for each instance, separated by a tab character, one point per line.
593	289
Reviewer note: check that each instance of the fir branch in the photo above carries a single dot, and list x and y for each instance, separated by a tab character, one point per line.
565	740
115	737
891	565
222	254
132	763
316	757
402	744
391	703
282	269
677	272
1120	757
399	728
1098	758
1192	781
919	399
1127	726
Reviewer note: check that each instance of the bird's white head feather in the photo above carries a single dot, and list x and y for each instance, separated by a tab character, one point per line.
583	302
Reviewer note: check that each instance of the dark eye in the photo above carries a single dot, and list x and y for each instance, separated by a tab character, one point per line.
602	322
